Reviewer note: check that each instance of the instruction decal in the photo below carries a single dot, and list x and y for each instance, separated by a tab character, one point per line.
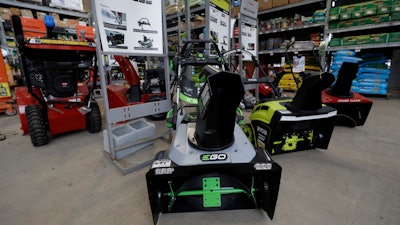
131	27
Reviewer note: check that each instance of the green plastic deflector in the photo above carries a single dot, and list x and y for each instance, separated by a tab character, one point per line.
211	198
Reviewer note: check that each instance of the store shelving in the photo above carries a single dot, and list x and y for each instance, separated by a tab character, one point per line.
298	32
42	8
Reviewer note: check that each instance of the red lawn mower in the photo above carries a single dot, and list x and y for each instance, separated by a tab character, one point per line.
56	98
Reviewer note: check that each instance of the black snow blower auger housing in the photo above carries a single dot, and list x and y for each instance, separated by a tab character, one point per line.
281	126
211	165
352	108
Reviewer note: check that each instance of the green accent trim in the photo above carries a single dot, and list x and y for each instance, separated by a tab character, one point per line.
291	143
222	191
169	115
210	197
265	111
187	99
239	111
172	195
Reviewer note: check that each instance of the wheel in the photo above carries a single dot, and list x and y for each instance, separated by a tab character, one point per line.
36	125
158	116
248	131
11	111
93	119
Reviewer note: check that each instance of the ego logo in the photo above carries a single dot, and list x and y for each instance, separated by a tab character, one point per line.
214	157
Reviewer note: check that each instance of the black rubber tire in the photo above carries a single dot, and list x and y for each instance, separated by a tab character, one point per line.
13	112
158	116
36	125
93	119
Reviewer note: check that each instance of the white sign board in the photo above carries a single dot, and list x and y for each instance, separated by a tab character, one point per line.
248	36
219	24
130	27
249	8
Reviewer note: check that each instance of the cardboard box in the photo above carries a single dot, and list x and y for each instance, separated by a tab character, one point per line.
264	4
33	28
67	4
26	13
276	3
40	15
294	1
5	13
15	11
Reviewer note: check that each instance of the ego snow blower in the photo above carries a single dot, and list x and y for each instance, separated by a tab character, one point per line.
211	165
302	123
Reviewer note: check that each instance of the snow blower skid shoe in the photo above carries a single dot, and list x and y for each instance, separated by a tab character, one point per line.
352	108
211	165
303	123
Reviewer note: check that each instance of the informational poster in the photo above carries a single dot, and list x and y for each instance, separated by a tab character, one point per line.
249	8
248	37
219	23
131	27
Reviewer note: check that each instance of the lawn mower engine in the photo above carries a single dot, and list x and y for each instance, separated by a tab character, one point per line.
211	165
352	108
56	97
303	123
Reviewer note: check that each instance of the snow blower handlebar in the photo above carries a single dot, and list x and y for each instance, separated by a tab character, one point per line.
264	79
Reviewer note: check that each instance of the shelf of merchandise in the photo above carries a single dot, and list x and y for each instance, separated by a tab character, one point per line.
291	6
357	48
35	7
301	27
364	27
390	49
307	7
42	8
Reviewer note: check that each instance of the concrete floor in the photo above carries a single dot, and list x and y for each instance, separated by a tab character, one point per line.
70	181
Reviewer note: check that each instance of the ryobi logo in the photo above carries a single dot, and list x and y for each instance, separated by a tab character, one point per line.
214	157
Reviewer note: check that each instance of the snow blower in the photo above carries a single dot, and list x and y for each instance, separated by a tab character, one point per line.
303	123
210	164
352	108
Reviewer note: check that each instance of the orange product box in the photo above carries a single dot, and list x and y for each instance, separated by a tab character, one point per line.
33	28
85	33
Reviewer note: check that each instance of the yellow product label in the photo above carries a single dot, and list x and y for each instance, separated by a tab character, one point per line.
5	90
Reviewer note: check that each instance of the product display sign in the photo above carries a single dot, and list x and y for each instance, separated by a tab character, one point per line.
130	27
248	37
219	23
249	8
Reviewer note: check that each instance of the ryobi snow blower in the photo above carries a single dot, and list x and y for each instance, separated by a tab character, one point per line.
303	123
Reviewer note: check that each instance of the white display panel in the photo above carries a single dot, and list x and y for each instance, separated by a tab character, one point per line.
130	27
219	23
248	36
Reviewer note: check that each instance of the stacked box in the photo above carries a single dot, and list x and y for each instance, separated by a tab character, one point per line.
394	37
335	42
350	40
67	4
264	4
276	3
395	8
5	13
364	21
334	14
395	16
